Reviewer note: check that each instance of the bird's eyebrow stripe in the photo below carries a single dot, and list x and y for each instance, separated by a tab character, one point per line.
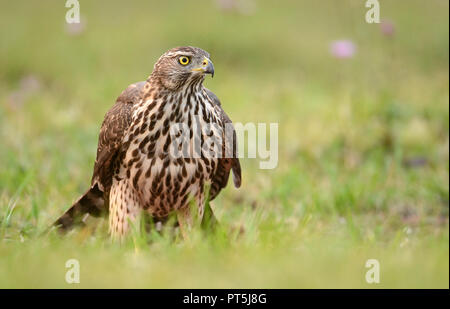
179	53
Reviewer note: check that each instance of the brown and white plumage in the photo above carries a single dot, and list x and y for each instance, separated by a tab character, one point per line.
133	171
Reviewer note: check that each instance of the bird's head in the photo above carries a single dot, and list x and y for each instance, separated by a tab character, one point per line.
181	66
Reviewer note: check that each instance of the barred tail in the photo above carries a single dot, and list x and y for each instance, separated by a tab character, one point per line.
92	203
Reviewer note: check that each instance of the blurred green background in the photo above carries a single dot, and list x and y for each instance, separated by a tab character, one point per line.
363	142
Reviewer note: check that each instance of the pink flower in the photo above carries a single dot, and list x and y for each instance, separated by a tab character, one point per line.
244	7
28	85
387	28
343	49
76	28
226	5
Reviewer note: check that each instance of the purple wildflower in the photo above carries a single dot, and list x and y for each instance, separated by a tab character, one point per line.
343	49
387	28
76	28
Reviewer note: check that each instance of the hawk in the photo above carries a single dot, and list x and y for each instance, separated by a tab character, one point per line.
134	173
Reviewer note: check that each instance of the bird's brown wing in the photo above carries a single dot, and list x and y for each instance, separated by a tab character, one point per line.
117	121
226	163
95	201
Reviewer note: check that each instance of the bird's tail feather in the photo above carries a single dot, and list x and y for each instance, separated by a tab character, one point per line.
92	203
236	167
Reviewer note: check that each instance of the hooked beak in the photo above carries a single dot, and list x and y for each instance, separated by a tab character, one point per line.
206	68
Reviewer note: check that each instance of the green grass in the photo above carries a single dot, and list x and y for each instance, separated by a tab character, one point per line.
346	188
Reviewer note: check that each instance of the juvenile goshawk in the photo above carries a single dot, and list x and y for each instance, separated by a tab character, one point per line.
135	173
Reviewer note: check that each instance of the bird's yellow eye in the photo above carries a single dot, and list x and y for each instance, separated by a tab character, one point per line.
183	60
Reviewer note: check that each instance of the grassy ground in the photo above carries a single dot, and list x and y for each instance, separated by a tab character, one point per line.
363	167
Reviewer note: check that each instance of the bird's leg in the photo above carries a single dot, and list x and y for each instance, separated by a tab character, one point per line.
123	209
185	222
209	220
203	215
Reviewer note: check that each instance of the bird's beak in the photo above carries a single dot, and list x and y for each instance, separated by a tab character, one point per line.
207	67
